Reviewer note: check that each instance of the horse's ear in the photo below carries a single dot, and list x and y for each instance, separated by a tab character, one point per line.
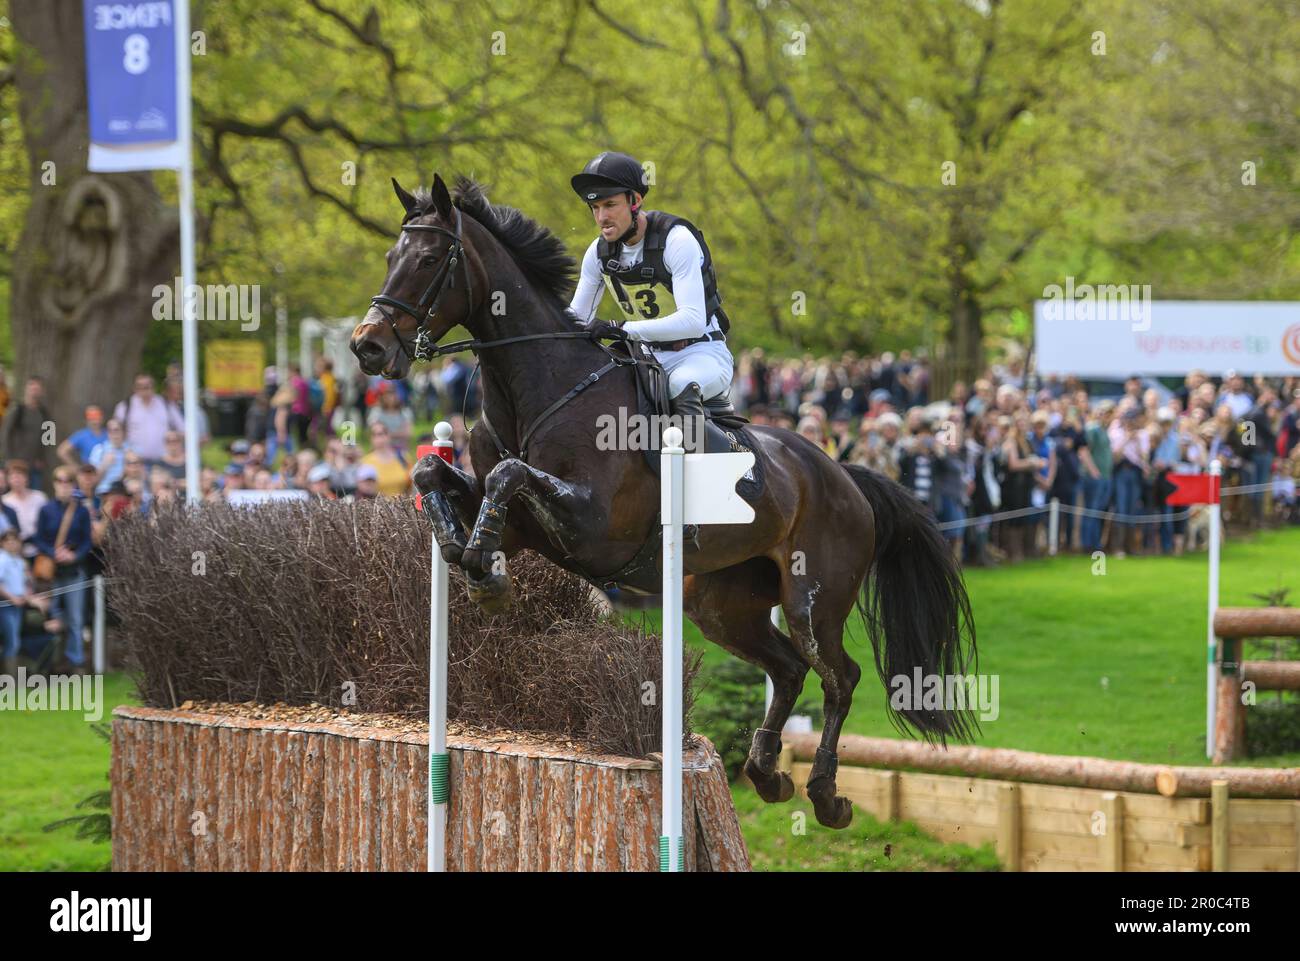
441	197
408	202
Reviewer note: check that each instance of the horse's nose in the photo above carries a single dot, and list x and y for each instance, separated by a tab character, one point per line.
368	352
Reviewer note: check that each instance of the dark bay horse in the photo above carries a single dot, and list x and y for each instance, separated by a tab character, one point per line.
541	482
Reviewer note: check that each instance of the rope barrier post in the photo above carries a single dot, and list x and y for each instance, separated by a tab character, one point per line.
439	604
1211	666
672	462
1053	526
97	632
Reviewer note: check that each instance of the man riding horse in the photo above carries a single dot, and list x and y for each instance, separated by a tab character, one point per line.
822	531
661	275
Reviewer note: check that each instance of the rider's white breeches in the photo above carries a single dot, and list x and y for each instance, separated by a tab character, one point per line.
708	364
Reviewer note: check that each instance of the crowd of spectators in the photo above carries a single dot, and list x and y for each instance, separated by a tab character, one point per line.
1006	445
307	437
985	458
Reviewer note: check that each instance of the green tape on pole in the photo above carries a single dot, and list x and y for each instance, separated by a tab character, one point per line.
663	854
438	782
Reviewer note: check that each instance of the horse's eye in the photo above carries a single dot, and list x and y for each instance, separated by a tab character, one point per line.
428	261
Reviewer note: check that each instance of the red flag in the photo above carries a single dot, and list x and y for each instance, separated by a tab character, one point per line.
422	451
1193	489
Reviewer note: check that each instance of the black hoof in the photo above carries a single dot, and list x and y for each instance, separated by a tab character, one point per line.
452	553
831	811
772	788
493	593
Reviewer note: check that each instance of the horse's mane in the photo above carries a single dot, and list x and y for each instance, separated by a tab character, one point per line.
538	252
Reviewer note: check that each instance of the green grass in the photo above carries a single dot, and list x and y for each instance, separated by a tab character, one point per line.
787	837
1051	630
51	761
1110	666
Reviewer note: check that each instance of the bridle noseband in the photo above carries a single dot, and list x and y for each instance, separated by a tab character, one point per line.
424	308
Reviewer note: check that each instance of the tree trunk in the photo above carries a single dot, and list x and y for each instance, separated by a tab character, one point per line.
92	246
966	329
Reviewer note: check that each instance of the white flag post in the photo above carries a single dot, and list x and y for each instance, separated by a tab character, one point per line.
694	489
1211	663
439	787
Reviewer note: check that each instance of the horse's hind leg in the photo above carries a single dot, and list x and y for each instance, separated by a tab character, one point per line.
816	605
732	608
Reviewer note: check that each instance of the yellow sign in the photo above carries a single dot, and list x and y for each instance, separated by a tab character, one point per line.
233	366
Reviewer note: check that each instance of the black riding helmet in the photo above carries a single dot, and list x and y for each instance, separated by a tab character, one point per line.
612	173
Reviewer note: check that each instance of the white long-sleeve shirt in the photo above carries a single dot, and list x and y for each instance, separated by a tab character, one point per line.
684	258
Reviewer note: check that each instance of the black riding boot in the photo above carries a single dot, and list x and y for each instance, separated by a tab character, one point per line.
690	404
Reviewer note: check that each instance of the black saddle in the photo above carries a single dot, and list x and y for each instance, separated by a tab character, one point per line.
725	430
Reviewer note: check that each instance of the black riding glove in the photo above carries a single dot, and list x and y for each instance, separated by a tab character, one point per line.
604	330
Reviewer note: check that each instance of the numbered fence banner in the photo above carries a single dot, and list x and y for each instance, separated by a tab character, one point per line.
132	84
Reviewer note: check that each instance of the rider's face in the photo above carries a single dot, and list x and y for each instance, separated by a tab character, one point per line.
613	215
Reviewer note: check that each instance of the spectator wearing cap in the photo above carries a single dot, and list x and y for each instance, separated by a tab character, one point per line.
69	601
24	431
319	482
78	447
25	502
367	483
146	417
390	469
233	478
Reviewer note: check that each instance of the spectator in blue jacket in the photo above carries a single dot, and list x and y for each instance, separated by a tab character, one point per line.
78	447
69	601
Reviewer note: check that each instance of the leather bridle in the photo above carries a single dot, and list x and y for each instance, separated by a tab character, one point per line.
424	308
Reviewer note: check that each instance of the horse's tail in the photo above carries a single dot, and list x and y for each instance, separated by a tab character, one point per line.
918	606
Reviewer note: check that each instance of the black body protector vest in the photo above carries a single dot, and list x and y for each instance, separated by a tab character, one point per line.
645	289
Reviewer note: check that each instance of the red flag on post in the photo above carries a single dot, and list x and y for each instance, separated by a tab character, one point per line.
445	451
1193	489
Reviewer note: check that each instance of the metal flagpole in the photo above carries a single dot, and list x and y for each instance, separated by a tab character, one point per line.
439	642
672	464
189	327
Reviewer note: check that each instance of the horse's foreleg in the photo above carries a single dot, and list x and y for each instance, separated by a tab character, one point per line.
450	499
560	507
